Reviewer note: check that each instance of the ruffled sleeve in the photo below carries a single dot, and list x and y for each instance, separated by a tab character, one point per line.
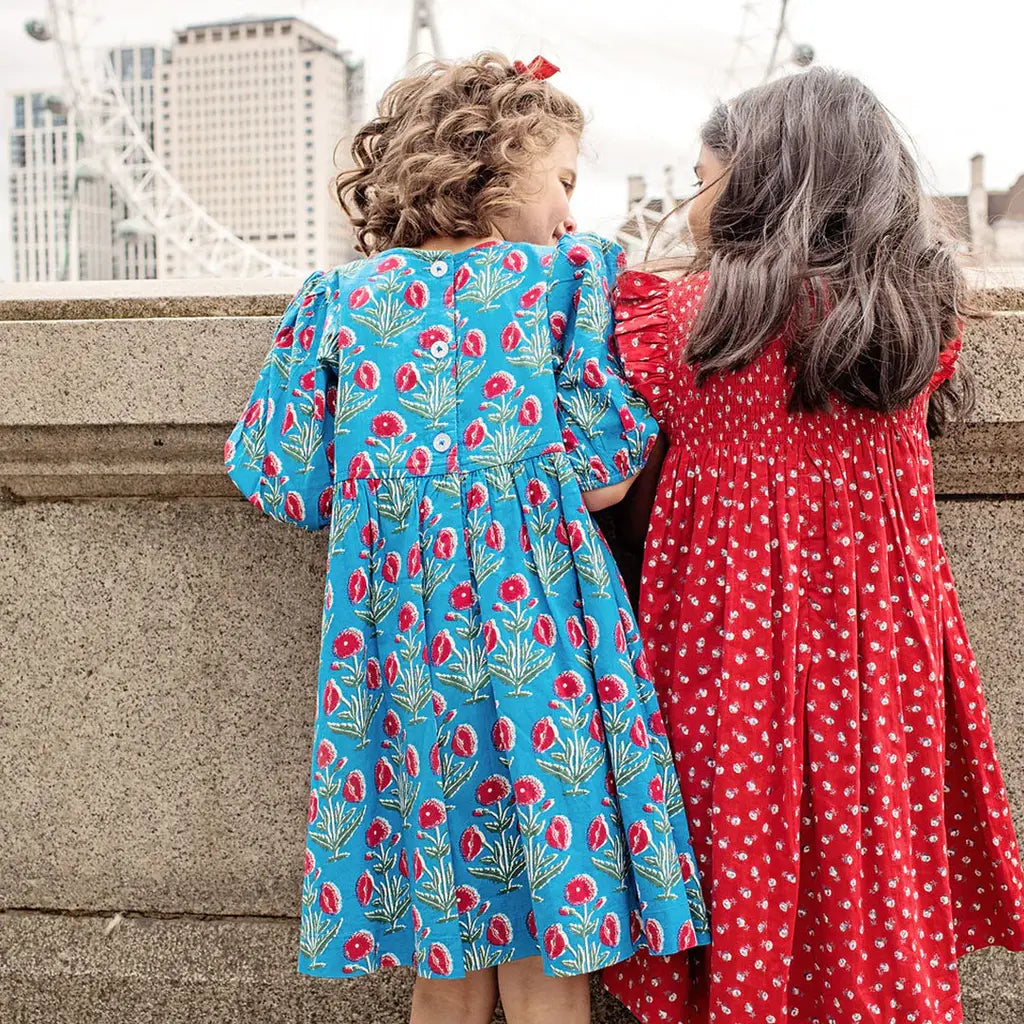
642	333
948	359
281	453
606	428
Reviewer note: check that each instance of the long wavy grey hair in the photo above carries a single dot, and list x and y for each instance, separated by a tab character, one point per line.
822	220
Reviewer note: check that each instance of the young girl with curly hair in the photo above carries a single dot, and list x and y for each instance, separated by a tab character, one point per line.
493	799
797	608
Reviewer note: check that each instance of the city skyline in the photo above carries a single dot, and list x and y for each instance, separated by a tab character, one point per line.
948	79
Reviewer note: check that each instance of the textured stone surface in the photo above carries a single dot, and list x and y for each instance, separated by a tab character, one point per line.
158	672
173	370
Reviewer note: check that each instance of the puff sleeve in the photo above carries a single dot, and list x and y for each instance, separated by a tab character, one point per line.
606	428
948	359
280	454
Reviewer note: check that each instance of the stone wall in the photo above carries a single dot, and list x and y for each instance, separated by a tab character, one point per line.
153	750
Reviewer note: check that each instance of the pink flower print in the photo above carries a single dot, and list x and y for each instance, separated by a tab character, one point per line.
332	402
656	789
390	672
407	617
596	729
638	733
310	864
499	930
555	943
474	434
412	761
655	936
570	534
389	960
593	633
515	261
503	735
325	754
271	465
293	506
464	742
474	344
461	597
439	960
544	735
597	833
324	503
285	338
544	630
444	544
639	836
392	726
476	497
657	723
441	648
598	468
569	684
687	937
406	378
377	833
355	787
531	296
347	643
578	255
498	383
494	536
559	833
346	337
569	441
466	899
360	467
492	790
529	413
626	418
318	406
330	898
580	889
531	925
390	263
359	945
367	376
574	631
537	492
387	424
359	298
332	697
471	843
392	567
514	588
490	636
610	930
434	334
592	375
432	814
306	336
511	335
372	674
416	295
383	775
461	278
364	888
529	790
611	689
314	808
557	324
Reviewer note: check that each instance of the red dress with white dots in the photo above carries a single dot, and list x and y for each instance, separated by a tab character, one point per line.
846	806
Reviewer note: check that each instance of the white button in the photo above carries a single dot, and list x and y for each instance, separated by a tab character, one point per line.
439	349
439	269
442	442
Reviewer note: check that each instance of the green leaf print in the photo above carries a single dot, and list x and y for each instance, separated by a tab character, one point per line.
335	826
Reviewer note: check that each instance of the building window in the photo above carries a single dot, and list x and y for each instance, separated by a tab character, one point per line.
19	111
127	65
268	30
38	109
250	31
147	60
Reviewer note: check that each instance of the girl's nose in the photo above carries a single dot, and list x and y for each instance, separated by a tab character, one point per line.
568	226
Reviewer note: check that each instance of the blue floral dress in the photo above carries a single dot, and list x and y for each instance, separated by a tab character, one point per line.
491	778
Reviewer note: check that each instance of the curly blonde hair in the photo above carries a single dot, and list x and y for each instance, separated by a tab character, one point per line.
447	149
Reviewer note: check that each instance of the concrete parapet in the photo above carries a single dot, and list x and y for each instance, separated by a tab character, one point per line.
158	656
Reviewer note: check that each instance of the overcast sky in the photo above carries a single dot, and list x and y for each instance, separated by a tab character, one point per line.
646	72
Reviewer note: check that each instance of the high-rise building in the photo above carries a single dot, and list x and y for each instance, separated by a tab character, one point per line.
67	221
252	112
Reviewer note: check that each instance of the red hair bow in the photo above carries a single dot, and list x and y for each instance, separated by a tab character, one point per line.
539	68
